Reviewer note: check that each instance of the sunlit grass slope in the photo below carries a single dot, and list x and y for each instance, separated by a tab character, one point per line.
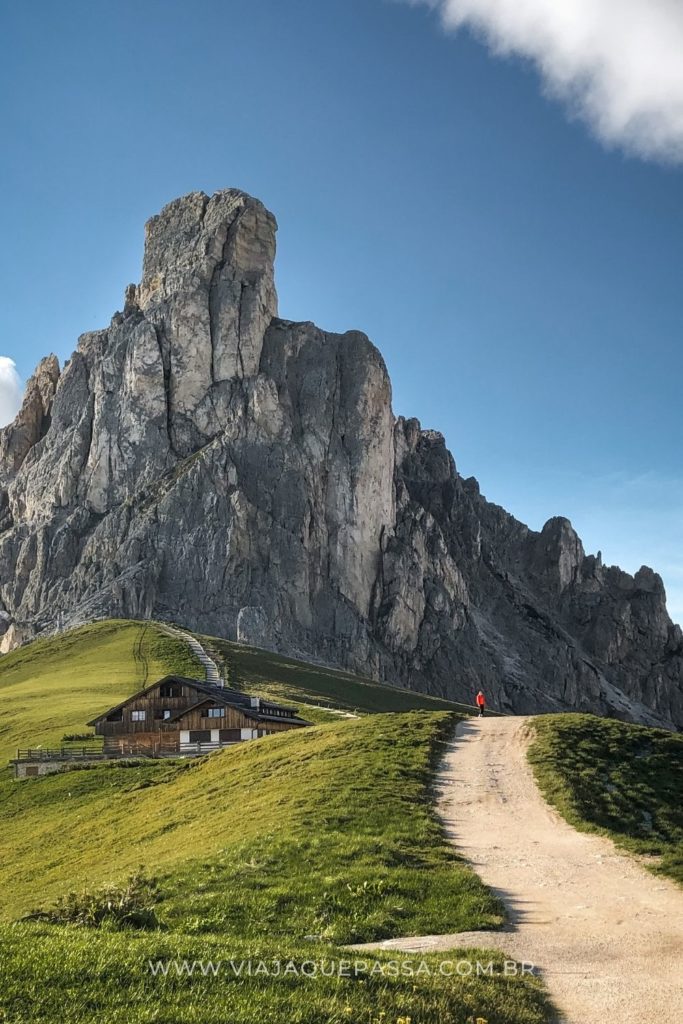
76	976
326	831
277	851
623	780
53	687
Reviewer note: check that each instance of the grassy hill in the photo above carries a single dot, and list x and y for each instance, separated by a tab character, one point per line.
348	799
276	851
51	688
621	780
282	678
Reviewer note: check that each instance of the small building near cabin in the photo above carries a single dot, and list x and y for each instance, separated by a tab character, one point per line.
177	716
174	717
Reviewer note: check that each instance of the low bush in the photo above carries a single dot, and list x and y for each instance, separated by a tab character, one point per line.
113	907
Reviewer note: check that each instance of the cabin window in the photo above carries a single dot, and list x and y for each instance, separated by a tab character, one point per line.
115	716
163	714
170	690
200	735
213	713
138	716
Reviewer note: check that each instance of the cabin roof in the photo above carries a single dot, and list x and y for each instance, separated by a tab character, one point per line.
248	709
225	695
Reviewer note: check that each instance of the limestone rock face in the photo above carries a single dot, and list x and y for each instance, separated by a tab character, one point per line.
33	419
203	461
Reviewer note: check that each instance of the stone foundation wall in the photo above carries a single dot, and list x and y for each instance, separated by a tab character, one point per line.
28	769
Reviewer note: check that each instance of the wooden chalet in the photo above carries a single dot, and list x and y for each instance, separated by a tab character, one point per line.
176	716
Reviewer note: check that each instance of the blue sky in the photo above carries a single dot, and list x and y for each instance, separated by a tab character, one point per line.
521	278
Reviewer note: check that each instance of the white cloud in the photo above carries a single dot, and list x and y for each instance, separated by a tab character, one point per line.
618	64
11	390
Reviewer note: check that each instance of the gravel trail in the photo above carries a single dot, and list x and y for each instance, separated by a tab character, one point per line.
605	934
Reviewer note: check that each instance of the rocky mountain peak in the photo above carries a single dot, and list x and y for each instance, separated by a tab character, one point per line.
557	554
33	419
207	290
202	461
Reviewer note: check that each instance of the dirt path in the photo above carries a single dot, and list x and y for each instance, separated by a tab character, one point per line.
331	711
606	935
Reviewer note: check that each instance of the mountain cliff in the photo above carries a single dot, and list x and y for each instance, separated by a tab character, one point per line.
204	461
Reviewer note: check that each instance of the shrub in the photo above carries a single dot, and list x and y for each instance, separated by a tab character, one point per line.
112	907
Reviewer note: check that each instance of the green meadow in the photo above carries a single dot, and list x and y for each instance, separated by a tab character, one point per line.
51	688
282	850
624	781
281	678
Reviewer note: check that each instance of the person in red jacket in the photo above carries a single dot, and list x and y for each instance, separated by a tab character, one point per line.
481	703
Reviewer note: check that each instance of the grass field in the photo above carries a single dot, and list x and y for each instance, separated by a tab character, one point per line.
227	835
283	678
280	851
78	977
625	781
277	850
52	687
